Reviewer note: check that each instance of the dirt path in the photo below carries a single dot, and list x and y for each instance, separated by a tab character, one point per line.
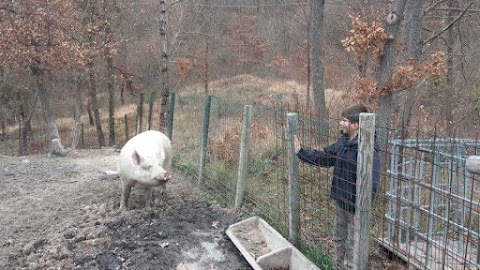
61	213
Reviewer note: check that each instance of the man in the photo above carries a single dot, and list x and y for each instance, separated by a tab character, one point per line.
342	155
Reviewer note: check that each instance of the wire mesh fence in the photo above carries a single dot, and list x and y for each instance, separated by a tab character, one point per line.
427	212
426	208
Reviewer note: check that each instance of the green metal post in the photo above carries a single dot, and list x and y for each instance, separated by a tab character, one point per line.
139	114
150	110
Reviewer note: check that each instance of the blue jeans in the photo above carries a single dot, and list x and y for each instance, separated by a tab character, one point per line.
343	238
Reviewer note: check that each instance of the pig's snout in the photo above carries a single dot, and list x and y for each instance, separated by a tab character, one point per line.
160	175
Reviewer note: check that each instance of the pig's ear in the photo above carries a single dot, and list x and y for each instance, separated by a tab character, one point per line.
136	158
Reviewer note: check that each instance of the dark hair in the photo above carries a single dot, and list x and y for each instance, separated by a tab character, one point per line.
352	113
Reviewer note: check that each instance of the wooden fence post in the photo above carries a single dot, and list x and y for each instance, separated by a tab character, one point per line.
293	183
203	145
243	162
364	190
150	110
139	114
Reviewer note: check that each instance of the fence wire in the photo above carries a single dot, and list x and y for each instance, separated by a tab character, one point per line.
425	215
428	211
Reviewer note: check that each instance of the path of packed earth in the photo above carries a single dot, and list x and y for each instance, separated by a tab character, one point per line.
62	213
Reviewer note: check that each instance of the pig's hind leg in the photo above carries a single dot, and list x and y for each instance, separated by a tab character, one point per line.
125	195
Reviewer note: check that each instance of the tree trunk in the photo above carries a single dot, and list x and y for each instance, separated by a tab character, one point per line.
449	90
111	102
122	89
89	111
77	122
93	98
110	80
207	67
3	127
165	91
56	147
23	131
385	73
309	67
317	36
92	93
207	45
413	40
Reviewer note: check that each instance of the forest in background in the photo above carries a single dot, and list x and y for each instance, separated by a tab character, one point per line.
412	61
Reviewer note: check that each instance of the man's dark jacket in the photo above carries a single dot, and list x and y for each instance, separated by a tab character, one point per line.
343	156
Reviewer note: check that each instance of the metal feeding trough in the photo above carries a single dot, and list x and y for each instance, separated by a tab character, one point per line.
264	248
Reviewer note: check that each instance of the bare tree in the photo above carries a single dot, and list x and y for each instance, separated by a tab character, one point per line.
385	71
41	39
77	124
110	74
317	69
92	93
413	40
165	95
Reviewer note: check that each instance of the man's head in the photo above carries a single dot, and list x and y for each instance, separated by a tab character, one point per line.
351	117
352	113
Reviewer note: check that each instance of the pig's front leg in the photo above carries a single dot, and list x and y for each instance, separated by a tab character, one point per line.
125	195
148	197
160	199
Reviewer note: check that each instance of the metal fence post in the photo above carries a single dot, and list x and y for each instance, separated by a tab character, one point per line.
150	110
170	115
243	162
203	145
139	114
293	183
364	190
126	127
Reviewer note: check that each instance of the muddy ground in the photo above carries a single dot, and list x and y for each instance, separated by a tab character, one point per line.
62	213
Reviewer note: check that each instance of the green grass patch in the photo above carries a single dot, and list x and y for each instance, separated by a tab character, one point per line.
319	257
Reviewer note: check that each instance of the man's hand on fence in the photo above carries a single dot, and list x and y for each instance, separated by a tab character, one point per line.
296	144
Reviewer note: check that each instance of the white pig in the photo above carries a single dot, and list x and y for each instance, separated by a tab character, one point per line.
145	161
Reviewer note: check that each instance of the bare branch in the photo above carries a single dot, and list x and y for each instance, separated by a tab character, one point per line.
8	9
173	3
449	25
457	9
428	9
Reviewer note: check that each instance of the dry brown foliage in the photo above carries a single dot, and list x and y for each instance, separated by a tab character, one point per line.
227	147
366	41
365	38
184	68
40	33
244	41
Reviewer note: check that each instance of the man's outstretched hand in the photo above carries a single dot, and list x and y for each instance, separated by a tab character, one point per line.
296	144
